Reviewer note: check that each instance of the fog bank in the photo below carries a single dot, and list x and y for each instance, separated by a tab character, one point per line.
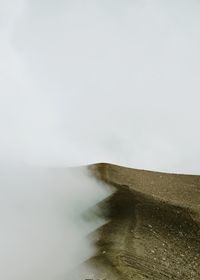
44	221
84	82
101	81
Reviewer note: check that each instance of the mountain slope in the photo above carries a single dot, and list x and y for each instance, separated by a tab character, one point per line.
154	225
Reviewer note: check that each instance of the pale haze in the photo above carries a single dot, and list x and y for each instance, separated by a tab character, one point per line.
97	81
84	82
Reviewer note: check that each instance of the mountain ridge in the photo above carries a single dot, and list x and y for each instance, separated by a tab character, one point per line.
153	229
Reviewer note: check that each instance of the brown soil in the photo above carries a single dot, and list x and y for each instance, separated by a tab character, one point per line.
154	226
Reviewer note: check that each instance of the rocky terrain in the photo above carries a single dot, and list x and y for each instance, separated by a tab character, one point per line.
153	229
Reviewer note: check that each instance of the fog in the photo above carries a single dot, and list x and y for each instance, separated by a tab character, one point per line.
46	216
84	82
101	81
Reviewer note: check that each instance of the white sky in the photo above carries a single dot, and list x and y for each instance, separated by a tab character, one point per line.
89	81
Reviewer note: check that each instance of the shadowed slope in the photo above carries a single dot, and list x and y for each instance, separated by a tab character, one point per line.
153	230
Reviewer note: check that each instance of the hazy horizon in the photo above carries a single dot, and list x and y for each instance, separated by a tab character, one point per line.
83	82
101	81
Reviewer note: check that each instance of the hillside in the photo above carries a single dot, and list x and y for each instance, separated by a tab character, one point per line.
154	225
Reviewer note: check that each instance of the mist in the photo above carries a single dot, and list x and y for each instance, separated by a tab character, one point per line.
46	217
102	81
84	82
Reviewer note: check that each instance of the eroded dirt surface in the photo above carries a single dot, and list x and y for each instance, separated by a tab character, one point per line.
153	230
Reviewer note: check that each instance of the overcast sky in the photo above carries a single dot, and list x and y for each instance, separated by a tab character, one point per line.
89	81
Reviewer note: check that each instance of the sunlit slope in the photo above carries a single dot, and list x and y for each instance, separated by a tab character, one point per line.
154	227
